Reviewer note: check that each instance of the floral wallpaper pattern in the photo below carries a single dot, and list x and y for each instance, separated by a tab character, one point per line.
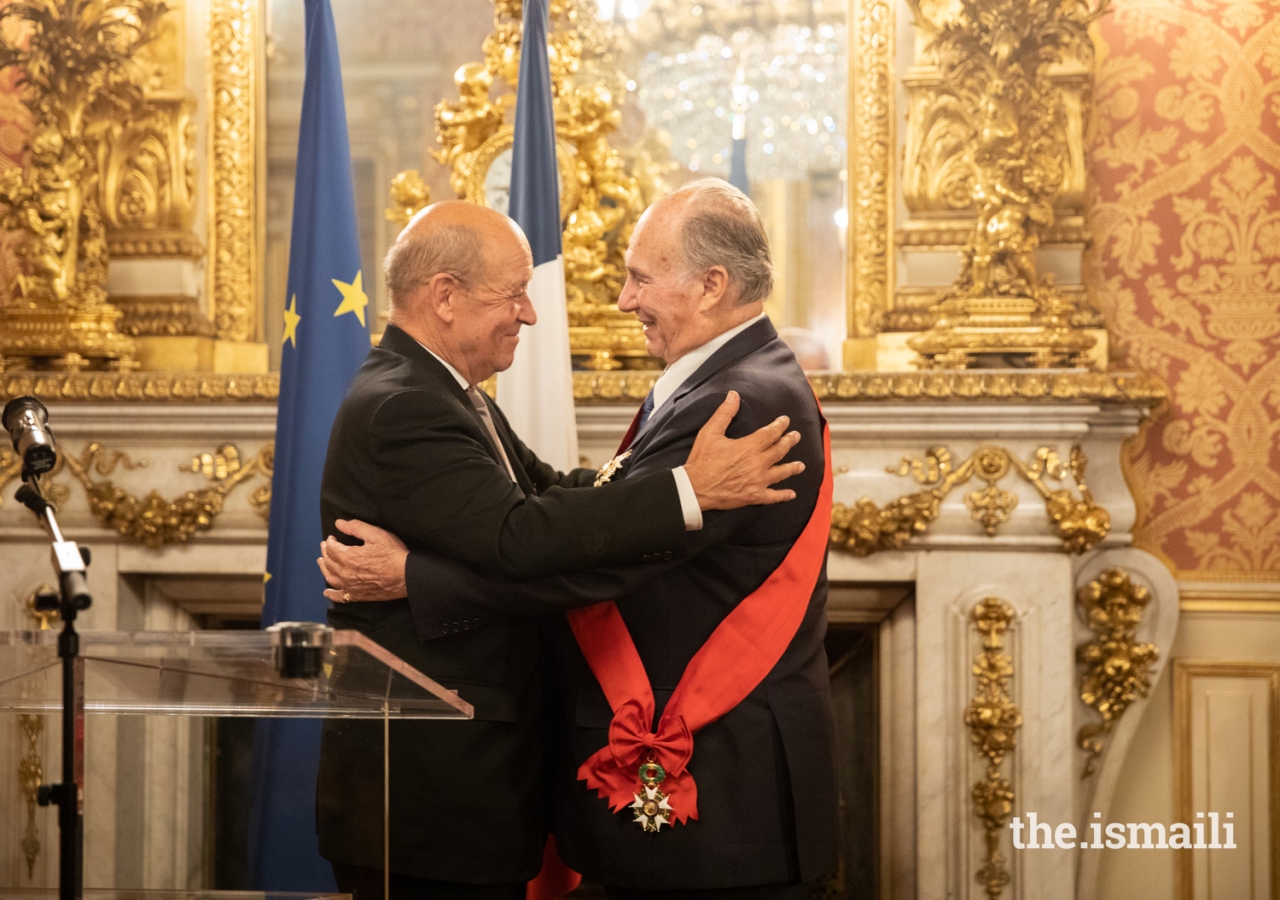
1185	264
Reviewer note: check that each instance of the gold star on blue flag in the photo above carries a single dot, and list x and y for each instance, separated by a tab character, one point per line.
320	352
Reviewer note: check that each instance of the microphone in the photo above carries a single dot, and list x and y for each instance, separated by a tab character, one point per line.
27	421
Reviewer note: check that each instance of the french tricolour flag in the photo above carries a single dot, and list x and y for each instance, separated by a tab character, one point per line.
536	393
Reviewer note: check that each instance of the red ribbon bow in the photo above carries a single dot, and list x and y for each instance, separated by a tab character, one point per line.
613	771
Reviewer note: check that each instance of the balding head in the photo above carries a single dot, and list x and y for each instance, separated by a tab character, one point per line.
447	237
456	278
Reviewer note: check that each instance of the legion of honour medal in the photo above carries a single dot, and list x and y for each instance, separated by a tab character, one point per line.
609	469
652	807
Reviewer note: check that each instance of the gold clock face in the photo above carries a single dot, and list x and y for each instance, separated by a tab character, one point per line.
489	179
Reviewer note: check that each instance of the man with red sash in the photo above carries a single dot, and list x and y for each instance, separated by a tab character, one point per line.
698	748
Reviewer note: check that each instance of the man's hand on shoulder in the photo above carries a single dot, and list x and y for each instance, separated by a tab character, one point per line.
373	571
729	474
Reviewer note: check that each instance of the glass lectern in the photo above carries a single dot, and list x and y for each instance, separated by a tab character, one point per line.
222	673
302	671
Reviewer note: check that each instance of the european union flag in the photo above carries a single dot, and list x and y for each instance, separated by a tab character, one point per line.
326	337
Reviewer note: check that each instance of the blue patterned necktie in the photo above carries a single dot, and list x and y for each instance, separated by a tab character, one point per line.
646	409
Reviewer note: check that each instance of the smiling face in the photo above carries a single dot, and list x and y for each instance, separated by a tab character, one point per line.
491	309
669	301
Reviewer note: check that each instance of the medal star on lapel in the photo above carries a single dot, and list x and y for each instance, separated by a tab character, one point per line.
609	469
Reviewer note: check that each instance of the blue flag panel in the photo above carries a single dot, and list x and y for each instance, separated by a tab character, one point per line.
326	337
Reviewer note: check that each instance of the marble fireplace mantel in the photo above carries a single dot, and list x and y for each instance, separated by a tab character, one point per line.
920	597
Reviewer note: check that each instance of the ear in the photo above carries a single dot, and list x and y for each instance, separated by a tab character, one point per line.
441	296
715	288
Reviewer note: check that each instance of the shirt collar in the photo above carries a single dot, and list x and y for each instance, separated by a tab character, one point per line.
457	376
683	368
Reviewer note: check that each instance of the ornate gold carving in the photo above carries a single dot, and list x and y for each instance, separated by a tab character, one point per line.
993	722
1080	523
159	316
153	520
30	776
80	74
1136	389
1129	388
1117	669
232	135
148	187
992	75
409	196
871	117
601	198
133	387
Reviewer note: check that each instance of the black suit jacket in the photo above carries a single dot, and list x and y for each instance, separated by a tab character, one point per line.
767	792
409	453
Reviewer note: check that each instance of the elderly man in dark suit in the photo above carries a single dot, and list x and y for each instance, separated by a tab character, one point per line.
766	795
418	449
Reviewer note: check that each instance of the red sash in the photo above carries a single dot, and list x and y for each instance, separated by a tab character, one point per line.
742	650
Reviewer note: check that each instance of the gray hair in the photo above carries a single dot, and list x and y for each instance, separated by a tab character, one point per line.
721	227
427	251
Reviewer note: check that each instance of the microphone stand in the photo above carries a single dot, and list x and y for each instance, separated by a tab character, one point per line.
69	562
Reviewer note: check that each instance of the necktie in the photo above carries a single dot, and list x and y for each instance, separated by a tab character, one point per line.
478	401
646	410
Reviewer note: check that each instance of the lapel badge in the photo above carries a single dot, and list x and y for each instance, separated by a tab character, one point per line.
609	469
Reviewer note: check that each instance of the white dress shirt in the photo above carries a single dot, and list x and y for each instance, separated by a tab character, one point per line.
667	384
684	487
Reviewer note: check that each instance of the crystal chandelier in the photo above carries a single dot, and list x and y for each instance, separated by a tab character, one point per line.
772	72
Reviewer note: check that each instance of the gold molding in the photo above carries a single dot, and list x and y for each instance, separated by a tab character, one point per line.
1129	388
1080	523
1184	670
134	387
30	776
869	166
993	720
233	157
1117	669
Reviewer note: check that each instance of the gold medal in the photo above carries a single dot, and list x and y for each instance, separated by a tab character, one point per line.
652	807
609	469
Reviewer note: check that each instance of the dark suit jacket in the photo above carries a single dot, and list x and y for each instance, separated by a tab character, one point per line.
767	792
409	453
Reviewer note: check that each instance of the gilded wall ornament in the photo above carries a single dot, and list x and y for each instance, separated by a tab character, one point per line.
153	520
993	721
30	777
232	140
59	314
993	59
132	387
1080	523
1130	388
1117	667
148	186
871	139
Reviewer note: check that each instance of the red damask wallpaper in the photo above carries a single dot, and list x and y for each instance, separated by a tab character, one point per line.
1186	267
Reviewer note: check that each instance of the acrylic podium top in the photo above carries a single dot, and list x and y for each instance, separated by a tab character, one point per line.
223	673
128	894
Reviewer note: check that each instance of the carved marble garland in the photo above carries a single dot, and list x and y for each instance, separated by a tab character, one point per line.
153	520
1081	523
